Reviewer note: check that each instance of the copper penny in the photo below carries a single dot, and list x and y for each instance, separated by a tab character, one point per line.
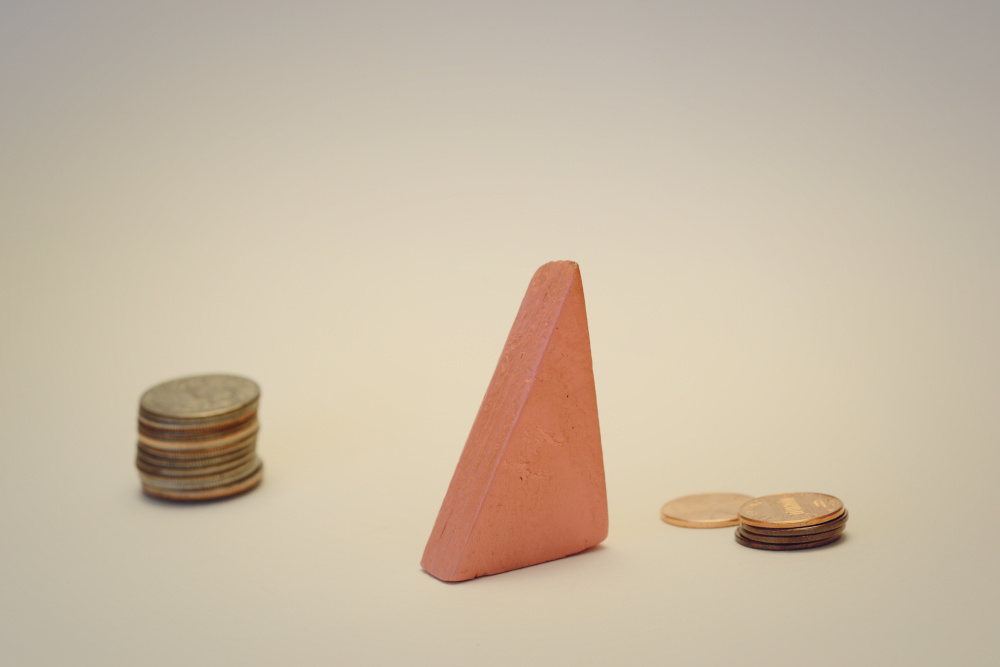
200	482
785	539
753	544
832	524
704	510
790	510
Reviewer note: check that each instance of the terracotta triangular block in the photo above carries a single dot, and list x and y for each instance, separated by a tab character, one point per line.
529	486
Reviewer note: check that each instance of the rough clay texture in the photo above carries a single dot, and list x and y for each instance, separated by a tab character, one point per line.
529	486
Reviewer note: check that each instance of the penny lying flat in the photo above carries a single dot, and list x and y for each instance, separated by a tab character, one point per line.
791	521
790	510
754	544
837	522
784	539
704	510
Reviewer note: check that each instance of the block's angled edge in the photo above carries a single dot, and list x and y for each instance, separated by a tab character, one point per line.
508	390
512	384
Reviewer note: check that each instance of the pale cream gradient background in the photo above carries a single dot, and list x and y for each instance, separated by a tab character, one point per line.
788	223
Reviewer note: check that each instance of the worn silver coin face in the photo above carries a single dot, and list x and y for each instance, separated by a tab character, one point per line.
199	397
788	546
168	468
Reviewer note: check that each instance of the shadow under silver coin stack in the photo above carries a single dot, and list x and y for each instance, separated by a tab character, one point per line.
198	438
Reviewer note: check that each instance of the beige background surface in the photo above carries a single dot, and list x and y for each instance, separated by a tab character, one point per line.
787	222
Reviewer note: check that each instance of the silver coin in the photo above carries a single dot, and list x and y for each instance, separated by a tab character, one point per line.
198	397
202	482
197	453
193	428
235	488
197	438
187	472
192	462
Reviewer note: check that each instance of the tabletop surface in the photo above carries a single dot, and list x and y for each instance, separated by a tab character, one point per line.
786	220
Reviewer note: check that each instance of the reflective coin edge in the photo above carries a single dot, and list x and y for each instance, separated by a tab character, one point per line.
196	454
784	539
172	472
200	482
836	522
238	487
171	400
219	442
791	505
190	463
785	547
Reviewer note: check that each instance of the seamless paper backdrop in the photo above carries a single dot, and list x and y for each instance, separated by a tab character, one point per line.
786	218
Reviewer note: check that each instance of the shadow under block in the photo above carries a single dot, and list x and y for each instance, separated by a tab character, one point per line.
529	485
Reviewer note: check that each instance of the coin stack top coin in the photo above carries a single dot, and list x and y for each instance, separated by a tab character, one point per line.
788	521
198	438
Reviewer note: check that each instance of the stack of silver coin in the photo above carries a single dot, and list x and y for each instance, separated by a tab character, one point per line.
198	438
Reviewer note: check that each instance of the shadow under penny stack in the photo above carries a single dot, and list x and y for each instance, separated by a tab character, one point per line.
198	438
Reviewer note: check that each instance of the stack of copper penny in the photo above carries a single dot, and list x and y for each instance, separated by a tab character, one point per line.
787	521
198	438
